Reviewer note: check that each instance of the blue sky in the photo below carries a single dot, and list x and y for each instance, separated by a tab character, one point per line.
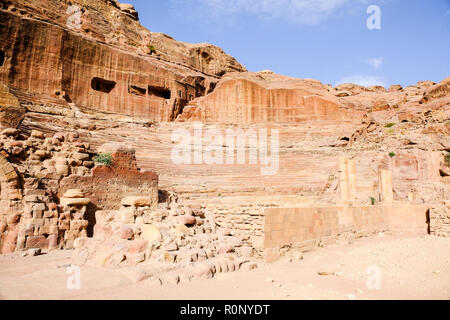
326	40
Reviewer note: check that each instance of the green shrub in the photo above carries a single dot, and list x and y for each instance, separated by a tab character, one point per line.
152	49
373	200
447	159
392	154
104	159
389	125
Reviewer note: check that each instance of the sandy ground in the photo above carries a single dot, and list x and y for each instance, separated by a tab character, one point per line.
409	268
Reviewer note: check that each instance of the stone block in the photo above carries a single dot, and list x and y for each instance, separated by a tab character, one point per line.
74	201
74	193
151	234
137	201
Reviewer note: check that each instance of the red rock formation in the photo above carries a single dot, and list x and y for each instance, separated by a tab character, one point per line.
87	79
111	22
50	63
267	98
11	112
438	91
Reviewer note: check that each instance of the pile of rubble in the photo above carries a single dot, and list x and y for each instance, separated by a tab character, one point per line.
172	244
30	216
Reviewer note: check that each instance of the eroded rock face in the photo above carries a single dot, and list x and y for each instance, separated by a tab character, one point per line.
117	24
64	67
203	57
11	112
437	91
266	97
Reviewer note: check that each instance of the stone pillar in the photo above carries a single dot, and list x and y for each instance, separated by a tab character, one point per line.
73	221
351	178
386	190
343	179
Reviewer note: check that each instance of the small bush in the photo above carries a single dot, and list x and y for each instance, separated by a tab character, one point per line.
373	200
152	49
447	159
392	154
389	125
104	159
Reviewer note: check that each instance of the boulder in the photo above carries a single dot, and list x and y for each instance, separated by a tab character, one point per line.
126	232
151	233
181	230
187	220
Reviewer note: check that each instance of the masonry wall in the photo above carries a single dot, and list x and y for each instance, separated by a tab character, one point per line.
305	228
244	221
440	220
36	174
106	187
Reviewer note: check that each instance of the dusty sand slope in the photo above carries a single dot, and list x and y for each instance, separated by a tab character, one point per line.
412	268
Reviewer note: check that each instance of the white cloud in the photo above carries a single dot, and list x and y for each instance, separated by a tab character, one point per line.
365	81
376	62
308	12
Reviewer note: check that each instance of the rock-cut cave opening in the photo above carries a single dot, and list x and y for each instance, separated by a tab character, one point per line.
102	85
159	92
2	58
137	90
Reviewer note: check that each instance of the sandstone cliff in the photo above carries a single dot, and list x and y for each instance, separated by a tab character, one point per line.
66	91
105	61
118	24
265	97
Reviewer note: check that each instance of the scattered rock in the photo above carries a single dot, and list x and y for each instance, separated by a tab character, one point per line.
324	271
34	252
181	230
151	233
187	220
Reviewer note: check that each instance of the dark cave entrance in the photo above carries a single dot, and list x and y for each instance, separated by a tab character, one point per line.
159	92
102	85
2	58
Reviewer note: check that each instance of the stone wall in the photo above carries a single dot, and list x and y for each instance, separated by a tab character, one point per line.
246	221
306	228
440	220
33	166
47	182
107	186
